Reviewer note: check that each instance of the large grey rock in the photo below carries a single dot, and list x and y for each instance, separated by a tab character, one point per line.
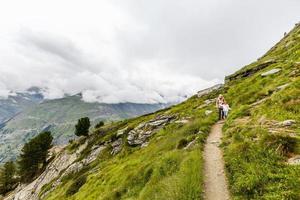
143	131
117	146
270	72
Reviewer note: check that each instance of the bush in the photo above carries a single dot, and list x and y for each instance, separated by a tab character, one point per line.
182	143
76	185
82	127
99	124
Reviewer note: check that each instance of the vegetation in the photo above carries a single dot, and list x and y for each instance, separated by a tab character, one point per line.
33	156
7	178
76	185
82	127
99	124
159	171
256	145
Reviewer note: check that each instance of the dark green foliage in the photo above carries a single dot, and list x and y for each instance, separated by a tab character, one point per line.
99	124
82	127
182	143
33	156
7	177
76	185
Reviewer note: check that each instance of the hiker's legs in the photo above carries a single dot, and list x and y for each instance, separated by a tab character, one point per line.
220	113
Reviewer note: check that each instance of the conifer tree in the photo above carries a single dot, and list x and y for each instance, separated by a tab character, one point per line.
82	127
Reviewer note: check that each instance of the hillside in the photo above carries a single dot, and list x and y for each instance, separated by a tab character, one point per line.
17	102
160	155
59	116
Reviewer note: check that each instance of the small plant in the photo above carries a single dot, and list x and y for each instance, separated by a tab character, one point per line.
76	185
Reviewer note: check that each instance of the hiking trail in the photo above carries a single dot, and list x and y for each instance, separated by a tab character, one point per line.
215	184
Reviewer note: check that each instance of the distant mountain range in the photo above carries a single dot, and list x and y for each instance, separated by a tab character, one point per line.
25	114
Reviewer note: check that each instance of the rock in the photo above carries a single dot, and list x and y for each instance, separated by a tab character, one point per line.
294	160
270	72
63	164
281	87
209	90
96	150
208	112
191	144
182	121
121	132
143	131
209	101
145	144
117	146
53	170
289	122
249	72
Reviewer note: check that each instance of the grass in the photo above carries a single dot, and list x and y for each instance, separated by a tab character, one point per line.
159	171
255	158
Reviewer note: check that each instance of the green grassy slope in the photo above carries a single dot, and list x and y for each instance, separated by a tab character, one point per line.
162	170
256	146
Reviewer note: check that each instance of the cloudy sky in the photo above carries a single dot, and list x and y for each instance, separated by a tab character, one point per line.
142	51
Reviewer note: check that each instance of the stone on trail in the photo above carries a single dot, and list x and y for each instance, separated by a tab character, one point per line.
270	72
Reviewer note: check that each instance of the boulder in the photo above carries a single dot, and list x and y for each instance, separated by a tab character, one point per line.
121	132
270	72
117	146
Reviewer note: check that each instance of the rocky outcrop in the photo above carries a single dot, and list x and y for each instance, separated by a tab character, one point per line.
117	146
209	90
249	72
63	164
140	134
270	72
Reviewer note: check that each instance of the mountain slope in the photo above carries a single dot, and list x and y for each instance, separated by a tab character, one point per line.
159	156
60	116
14	104
262	133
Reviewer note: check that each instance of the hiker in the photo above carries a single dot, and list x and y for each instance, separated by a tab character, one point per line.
225	108
219	105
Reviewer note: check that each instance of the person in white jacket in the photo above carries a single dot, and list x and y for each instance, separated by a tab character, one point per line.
226	109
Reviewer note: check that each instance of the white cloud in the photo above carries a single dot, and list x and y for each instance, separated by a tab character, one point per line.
133	51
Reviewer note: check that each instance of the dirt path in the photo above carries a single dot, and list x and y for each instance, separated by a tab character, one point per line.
215	185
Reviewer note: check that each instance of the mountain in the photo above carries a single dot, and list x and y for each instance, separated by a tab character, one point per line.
16	102
159	156
58	116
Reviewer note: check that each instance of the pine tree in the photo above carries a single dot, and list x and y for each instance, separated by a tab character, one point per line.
7	178
82	127
33	156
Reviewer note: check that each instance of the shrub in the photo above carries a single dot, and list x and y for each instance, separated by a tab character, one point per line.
99	124
182	143
76	185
